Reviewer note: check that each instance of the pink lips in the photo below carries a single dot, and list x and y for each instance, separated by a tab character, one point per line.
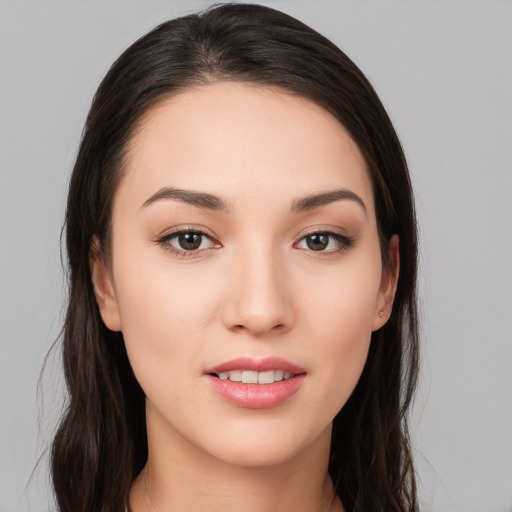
256	396
263	365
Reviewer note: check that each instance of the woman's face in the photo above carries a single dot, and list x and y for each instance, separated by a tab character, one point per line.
244	246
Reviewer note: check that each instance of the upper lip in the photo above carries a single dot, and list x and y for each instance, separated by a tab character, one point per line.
257	365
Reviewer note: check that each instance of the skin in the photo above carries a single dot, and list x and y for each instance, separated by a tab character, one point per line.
255	289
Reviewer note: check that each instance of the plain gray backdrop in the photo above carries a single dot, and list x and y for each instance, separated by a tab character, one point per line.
444	71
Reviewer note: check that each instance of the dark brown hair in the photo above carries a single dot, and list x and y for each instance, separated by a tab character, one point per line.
101	444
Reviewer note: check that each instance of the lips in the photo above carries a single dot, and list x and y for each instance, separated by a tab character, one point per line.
262	365
256	384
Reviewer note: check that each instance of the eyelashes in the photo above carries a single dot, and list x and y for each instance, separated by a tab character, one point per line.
188	243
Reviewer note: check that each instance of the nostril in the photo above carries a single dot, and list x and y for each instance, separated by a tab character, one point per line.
258	329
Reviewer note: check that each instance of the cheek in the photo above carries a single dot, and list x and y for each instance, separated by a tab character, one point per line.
339	317
162	313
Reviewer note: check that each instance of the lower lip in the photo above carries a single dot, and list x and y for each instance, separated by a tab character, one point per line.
256	396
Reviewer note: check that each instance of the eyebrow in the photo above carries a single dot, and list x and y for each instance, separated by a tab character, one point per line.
199	199
316	200
211	202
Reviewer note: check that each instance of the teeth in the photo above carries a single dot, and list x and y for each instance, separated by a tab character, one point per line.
266	377
235	376
251	377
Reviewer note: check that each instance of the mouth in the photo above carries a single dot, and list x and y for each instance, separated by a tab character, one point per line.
256	384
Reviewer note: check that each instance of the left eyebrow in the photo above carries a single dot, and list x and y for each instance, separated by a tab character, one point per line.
317	200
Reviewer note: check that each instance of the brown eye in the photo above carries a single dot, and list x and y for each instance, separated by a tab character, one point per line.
190	241
187	242
317	241
325	241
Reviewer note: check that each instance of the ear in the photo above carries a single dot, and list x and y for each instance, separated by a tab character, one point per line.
388	285
103	287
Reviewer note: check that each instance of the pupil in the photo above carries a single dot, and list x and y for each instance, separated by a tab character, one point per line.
189	241
317	242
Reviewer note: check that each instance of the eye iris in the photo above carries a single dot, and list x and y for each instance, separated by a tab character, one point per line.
317	242
189	241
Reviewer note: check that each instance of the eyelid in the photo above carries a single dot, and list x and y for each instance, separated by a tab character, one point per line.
322	228
186	228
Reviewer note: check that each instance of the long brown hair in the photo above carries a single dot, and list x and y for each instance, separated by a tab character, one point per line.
101	443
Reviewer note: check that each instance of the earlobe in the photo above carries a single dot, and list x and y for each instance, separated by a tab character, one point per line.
388	285
103	287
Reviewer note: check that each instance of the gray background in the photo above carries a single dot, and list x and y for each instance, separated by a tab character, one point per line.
444	71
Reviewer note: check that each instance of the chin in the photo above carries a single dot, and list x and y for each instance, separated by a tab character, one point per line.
270	445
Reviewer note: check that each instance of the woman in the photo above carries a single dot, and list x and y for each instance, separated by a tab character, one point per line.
242	325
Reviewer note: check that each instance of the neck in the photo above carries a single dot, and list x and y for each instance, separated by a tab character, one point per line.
181	477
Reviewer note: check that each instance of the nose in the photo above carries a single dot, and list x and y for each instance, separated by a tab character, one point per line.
258	300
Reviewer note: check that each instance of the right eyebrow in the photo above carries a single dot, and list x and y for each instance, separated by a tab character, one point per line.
199	199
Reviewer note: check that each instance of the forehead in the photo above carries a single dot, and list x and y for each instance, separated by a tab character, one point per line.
240	140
